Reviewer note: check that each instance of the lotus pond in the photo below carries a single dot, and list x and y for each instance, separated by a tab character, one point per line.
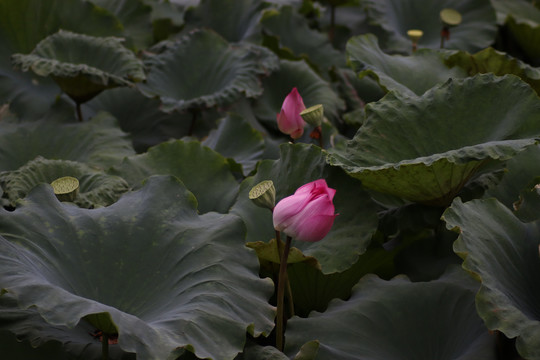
139	137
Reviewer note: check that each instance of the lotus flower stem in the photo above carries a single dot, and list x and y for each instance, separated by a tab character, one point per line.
331	32
79	112
288	283
105	346
193	121
445	34
317	135
281	292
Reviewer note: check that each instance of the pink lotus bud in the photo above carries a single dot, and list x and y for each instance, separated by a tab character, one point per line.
307	215
289	120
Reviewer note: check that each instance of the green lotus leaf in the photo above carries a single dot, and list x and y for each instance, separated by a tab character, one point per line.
24	334
21	30
294	39
414	74
247	146
28	95
82	65
139	116
97	142
313	89
356	90
529	201
167	18
492	61
96	188
349	20
166	277
235	20
397	319
268	251
135	16
392	19
254	351
12	348
425	149
230	71
521	170
299	164
308	351
25	29
502	252
523	21
520	9
312	290
205	173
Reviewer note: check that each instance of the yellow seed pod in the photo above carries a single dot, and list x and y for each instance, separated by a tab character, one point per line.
66	188
313	115
415	35
450	17
264	194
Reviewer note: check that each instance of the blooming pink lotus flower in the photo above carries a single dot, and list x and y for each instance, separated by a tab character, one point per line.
289	120
308	214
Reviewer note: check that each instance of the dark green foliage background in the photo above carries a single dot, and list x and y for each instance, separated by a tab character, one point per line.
433	153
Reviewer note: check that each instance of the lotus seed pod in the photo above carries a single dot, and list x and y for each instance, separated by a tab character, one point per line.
450	17
264	194
66	188
415	35
313	115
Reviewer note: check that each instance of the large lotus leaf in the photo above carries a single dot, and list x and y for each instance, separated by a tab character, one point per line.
98	142
135	16
203	70
295	39
139	116
248	145
24	334
28	95
96	188
395	17
414	74
167	18
298	165
254	351
235	20
206	173
492	61
82	65
162	276
502	252
526	208
523	21
521	170
313	290
12	348
349	20
398	319
20	32
313	89
357	91
425	149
